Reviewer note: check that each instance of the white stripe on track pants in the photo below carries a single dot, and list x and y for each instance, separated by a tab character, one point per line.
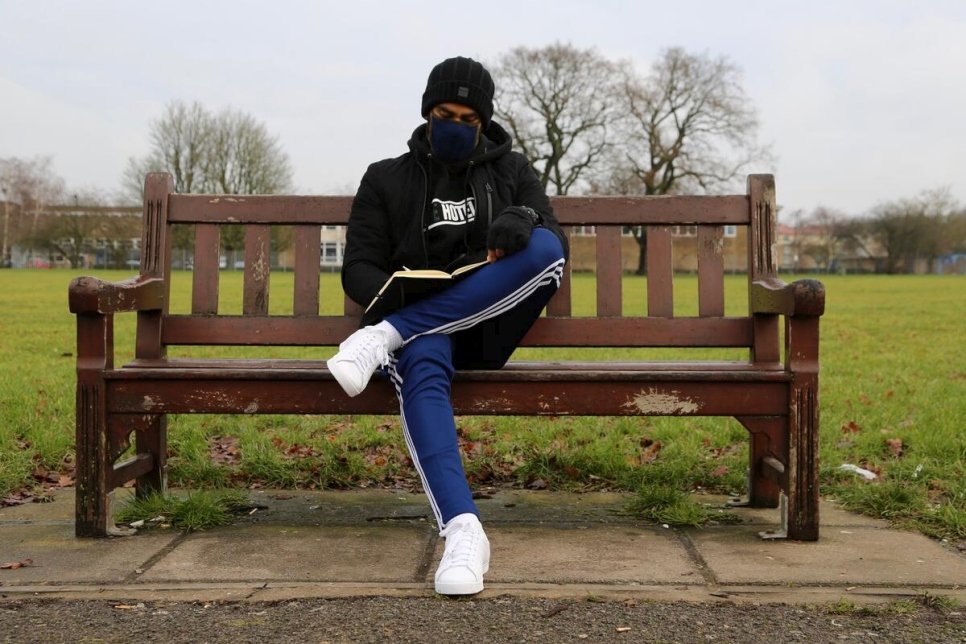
475	324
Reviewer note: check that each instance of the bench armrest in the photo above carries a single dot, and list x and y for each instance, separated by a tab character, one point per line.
92	295
800	298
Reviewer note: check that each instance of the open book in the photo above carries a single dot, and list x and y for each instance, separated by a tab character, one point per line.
408	286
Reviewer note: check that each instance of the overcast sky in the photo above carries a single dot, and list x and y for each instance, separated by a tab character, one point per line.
862	101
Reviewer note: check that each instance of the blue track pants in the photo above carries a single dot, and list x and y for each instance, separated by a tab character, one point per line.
475	324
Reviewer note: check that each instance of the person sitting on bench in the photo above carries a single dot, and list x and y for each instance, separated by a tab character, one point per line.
459	195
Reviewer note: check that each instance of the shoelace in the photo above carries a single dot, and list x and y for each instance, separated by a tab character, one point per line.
370	353
462	544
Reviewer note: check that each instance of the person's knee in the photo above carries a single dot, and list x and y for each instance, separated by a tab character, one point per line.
544	248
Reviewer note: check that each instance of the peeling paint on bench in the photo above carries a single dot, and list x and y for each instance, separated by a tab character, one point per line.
652	401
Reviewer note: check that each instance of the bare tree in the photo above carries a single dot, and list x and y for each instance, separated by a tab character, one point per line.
243	158
27	185
229	152
558	103
956	232
689	127
915	230
826	236
179	144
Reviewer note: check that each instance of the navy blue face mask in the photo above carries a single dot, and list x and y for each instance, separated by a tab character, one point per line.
452	141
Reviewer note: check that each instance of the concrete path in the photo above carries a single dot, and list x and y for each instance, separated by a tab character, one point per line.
544	544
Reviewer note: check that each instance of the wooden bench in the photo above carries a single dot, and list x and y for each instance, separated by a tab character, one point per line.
773	394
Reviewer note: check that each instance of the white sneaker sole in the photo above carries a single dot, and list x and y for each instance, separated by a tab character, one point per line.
349	386
464	588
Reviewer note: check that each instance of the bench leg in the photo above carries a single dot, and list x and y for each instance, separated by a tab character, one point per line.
803	494
153	439
767	440
93	468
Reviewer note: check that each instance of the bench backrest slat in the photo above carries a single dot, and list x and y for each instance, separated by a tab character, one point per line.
351	308
668	222
257	270
204	280
258	209
307	256
609	271
325	330
652	211
559	305
660	285
710	271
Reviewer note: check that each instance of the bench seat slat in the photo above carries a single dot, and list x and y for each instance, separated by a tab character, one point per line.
546	332
244	369
648	395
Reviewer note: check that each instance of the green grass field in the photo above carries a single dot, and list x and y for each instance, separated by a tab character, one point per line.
893	400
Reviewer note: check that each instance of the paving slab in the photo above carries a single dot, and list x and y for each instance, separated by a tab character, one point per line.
59	509
381	553
853	556
545	544
332	507
830	513
564	555
517	506
58	556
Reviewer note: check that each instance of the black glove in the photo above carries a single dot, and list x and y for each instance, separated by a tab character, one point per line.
510	231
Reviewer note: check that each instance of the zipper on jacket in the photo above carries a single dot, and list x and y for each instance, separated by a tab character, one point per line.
468	182
489	203
422	213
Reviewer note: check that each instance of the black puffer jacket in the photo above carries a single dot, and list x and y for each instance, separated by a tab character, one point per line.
387	223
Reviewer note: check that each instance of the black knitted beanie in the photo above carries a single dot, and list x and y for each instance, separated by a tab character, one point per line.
460	80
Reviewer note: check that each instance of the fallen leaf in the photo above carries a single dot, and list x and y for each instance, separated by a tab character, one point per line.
720	471
224	449
895	446
13	565
17	498
649	454
851	427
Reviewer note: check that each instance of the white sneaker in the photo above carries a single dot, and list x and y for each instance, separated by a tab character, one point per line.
466	557
358	358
